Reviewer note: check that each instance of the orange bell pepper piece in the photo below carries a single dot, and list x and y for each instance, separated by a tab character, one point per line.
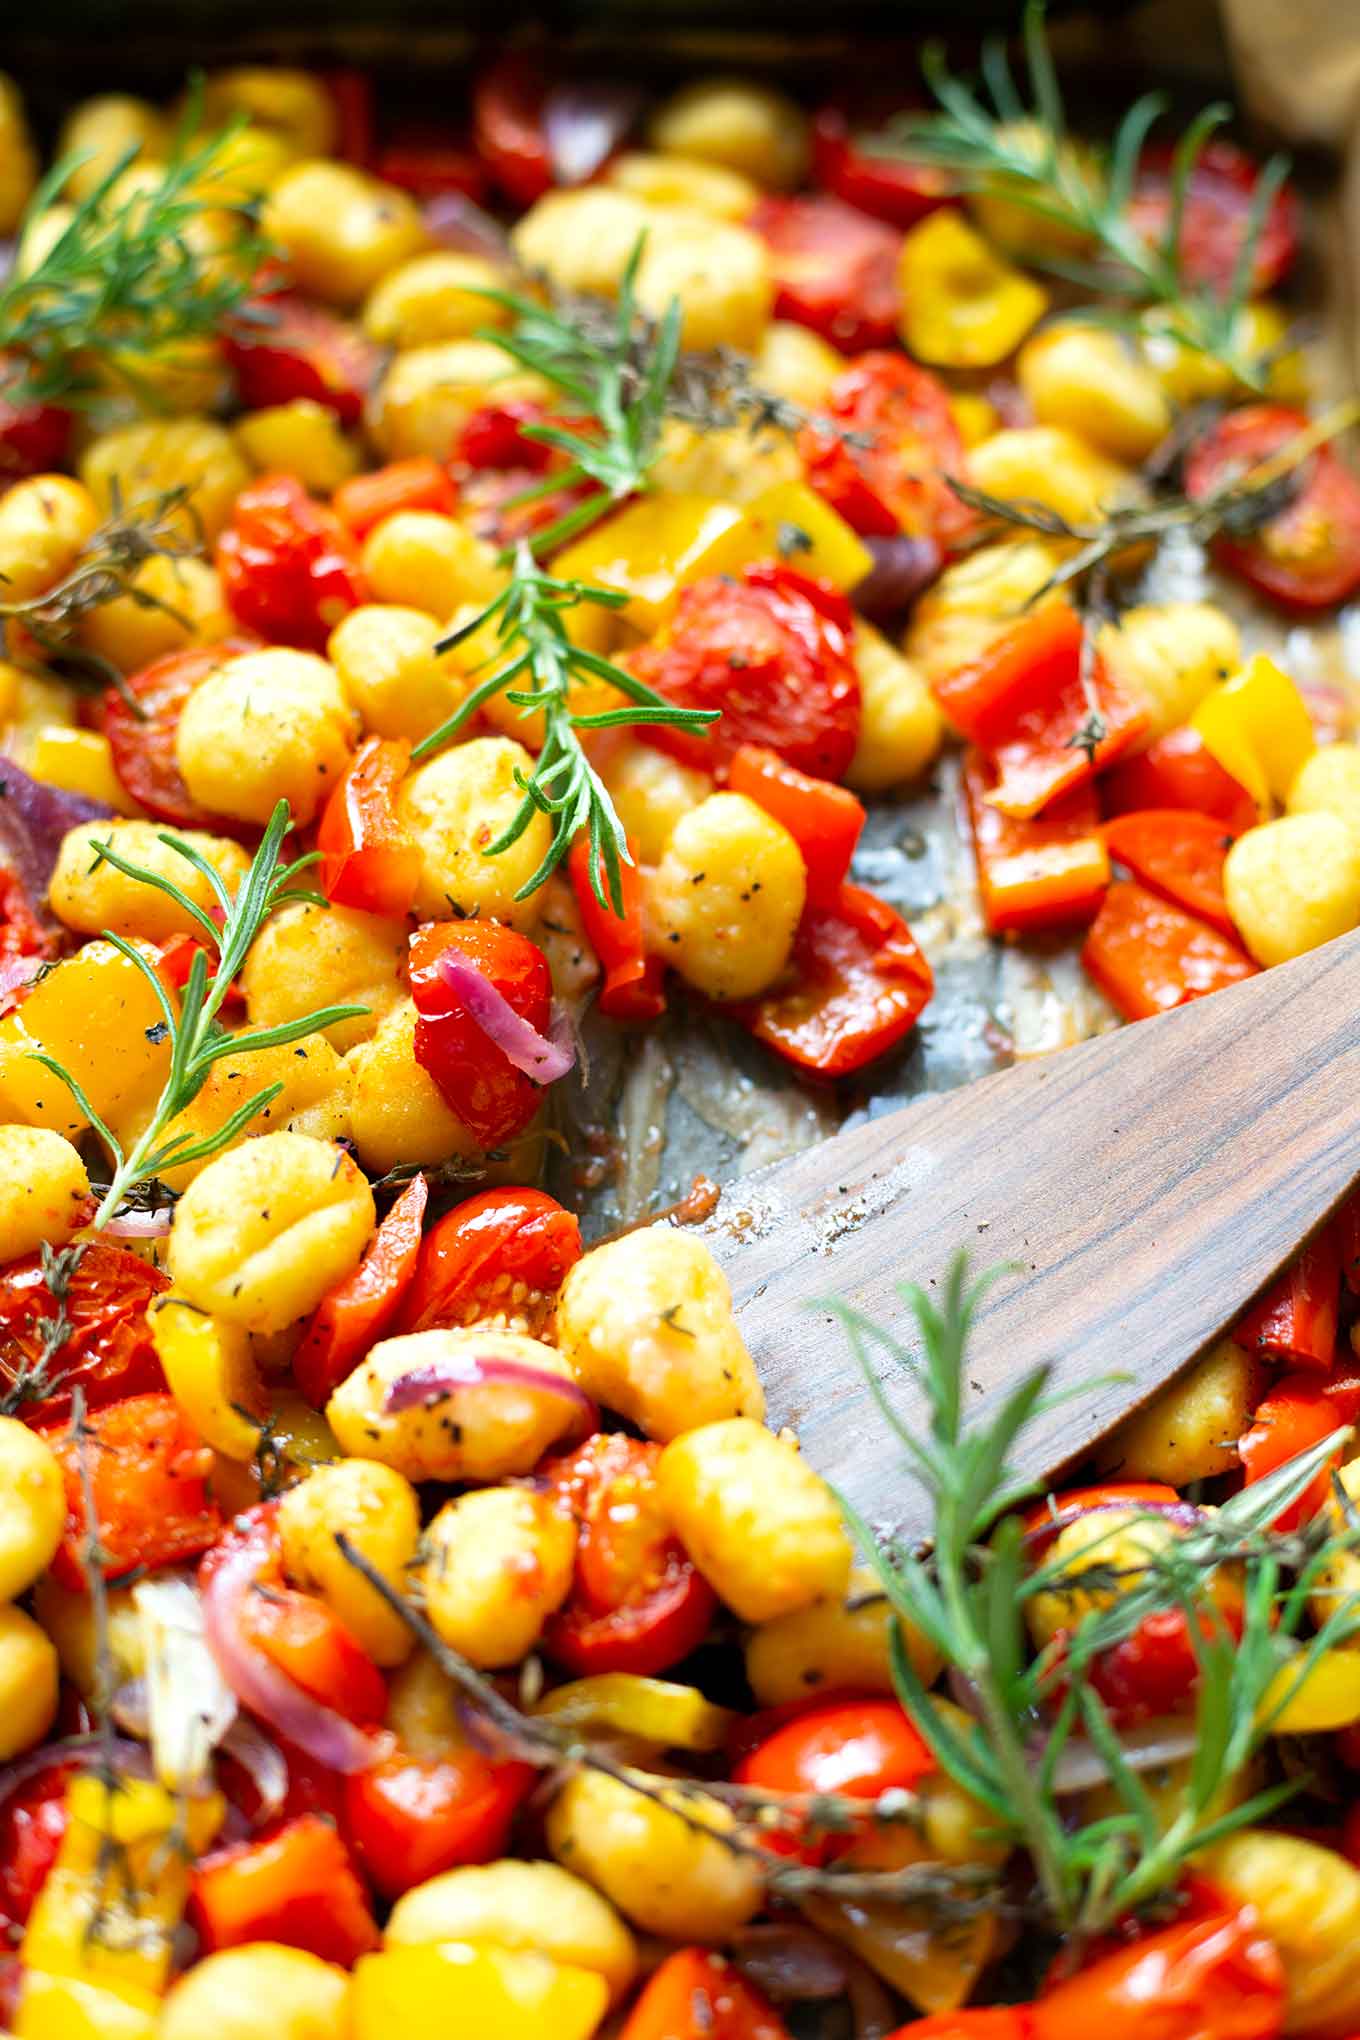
416	484
634	982
695	1995
1047	872
296	1886
824	820
1148	955
1179	855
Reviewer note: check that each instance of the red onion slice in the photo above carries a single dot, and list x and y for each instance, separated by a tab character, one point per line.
442	1377
532	1053
1081	1767
584	124
455	222
263	1763
33	820
903	569
15	973
140	1225
1184	1514
259	1685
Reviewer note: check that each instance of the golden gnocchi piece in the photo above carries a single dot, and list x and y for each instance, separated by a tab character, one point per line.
378	1510
421	561
1111	1541
726	899
840	1642
307	956
259	1991
900	727
171	602
519	1905
683	180
661	1872
90	894
268	726
1050	465
1328	783
456	805
428	394
34	1514
299	438
141	462
397	1112
312	1086
1189	1431
652	793
28	1683
975	599
433	298
393	677
796	363
102	131
646	1323
292	104
1293	884
1168	656
498	1562
341	231
18	157
1307	1899
44	522
1092	382
742	126
43	1191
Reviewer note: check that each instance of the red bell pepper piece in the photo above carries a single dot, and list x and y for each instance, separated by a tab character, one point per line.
355	1315
1176	771
1296	1318
34	436
696	1995
416	484
824	820
1298	1413
1179	855
1049	871
885	186
634	982
1023	702
1347	1226
289	568
296	1886
176	960
507	127
367	858
834	269
426	163
1148	956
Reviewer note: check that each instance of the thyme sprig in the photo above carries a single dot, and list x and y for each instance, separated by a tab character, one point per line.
969	1592
536	666
34	1380
122	279
995	142
197	1037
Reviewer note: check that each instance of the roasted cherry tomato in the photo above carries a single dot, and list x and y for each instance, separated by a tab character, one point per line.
697	1995
296	1887
411	1817
1214	1978
634	982
1217	210
637	1603
1179	855
834	269
415	484
1296	1319
888	187
890	476
856	1748
494	436
147	1470
368	858
1148	955
771	650
825	821
282	347
1155	1671
289	567
23	930
355	1315
859	983
507	127
1177	771
107	1351
503	1250
1307	556
34	436
490	1094
423	161
141	730
32	1826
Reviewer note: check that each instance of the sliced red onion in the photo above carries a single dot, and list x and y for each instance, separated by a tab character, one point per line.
263	1762
1081	1768
584	124
903	569
531	1053
443	1377
455	222
33	820
792	1964
259	1685
140	1225
15	973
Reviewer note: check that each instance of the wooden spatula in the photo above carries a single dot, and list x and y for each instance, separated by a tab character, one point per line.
1148	1183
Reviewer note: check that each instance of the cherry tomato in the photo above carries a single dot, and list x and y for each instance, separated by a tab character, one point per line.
499	463
494	436
494	1100
283	347
423	161
1155	1671
356	1314
834	269
107	1350
142	737
23	931
895	482
771	650
34	435
147	1470
885	186
507	127
503	1250
351	92
1215	1978
32	1826
289	567
296	1887
412	1817
637	1602
1307	556
368	858
857	1748
1218	205
859	982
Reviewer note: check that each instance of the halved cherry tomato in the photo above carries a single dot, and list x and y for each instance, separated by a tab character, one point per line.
494	436
897	481
33	1822
859	984
507	127
1296	1318
834	269
1155	1670
1148	956
368	859
888	187
1177	771
423	161
108	1350
697	1995
413	1817
142	737
147	1470
1215	1978
634	982
1307	556
1179	855
503	1250
289	567
771	650
355	1315
415	484
857	1748
34	436
296	1887
23	930
493	1098
1218	203
825	821
282	346
1049	871
637	1603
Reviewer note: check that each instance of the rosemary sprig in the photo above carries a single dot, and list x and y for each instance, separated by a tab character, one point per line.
122	279
968	1592
197	1037
988	140
535	650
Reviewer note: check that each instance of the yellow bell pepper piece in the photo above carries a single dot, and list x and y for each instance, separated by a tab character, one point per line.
92	1013
649	551
210	1371
791	522
1257	726
60	2008
656	1711
963	305
78	761
976	416
109	1908
454	1987
1327	1697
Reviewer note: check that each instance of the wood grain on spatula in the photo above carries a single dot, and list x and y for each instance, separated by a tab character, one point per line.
1148	1183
